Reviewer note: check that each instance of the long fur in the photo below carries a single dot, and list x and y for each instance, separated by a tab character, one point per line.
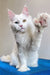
28	41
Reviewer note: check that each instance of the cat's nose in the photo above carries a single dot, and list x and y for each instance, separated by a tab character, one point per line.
21	25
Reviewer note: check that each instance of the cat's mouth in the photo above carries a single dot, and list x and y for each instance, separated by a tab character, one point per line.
22	28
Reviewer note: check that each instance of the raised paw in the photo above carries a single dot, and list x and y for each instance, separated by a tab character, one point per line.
41	20
23	68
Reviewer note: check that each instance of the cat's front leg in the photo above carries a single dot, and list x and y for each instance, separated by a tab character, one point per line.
23	66
40	23
33	59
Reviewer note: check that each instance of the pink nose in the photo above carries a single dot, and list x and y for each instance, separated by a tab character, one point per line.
21	25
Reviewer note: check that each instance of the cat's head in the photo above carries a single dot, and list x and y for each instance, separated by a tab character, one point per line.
20	22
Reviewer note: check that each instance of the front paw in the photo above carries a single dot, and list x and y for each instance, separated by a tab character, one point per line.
11	63
18	66
41	20
23	68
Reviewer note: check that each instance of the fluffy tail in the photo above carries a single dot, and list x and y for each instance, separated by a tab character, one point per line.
5	58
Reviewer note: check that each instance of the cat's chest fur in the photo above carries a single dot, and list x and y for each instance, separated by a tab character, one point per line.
23	39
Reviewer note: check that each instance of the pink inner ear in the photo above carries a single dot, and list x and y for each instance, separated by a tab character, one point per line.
11	14
25	11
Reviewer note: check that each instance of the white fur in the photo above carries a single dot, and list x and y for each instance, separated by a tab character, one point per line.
28	41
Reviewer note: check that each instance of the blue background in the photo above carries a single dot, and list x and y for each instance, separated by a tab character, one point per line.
42	69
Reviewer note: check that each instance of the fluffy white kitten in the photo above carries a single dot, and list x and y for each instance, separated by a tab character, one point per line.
28	34
23	29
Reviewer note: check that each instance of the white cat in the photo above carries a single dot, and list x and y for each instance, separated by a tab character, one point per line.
22	27
28	34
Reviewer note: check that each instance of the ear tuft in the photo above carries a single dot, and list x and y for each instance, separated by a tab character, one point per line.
11	14
25	11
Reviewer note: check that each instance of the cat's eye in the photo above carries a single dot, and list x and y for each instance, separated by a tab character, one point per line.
24	20
16	22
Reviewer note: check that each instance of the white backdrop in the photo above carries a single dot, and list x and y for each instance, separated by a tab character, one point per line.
6	36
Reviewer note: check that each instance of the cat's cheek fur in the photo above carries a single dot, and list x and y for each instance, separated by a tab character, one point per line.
15	26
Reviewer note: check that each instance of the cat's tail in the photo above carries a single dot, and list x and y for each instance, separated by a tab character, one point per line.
5	58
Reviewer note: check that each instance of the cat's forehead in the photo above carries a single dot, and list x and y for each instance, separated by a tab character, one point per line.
21	16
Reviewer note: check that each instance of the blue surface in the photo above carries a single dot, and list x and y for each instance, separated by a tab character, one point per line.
42	69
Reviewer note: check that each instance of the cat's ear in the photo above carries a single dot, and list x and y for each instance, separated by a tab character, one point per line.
11	14
25	11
